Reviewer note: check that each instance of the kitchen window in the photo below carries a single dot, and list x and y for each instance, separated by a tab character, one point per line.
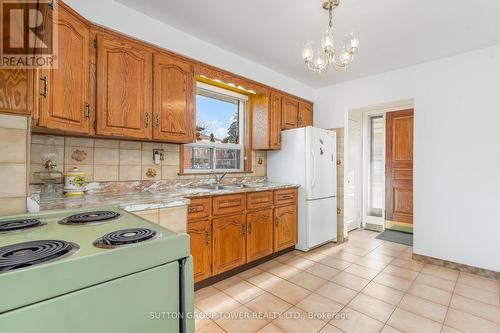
219	146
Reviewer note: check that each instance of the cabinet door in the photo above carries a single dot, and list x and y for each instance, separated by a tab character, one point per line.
174	93
275	122
124	88
201	248
229	243
260	234
285	227
65	90
289	112
17	91
305	114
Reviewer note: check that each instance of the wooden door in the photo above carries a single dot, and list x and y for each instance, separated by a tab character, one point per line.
275	122
201	248
289	112
229	243
173	99
124	88
285	227
399	167
305	114
260	234
65	90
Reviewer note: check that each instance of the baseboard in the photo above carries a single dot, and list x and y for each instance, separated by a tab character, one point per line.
456	266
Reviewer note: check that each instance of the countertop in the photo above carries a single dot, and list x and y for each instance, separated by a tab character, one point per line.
133	198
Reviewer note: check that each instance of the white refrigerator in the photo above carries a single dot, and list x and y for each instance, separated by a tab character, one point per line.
308	157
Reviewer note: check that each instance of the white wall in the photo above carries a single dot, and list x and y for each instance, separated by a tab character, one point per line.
457	149
133	23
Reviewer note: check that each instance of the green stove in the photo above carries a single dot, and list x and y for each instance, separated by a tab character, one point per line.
93	270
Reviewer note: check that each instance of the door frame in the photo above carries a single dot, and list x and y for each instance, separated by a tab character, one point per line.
380	109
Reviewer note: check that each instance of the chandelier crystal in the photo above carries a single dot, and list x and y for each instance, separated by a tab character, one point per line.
328	55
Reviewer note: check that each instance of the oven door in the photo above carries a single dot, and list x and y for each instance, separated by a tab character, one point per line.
147	301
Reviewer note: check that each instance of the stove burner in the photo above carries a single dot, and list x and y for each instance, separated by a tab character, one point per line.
125	237
90	218
26	254
16	225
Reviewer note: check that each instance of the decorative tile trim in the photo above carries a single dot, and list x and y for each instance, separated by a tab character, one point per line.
456	266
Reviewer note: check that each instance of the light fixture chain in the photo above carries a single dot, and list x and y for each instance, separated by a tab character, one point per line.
330	13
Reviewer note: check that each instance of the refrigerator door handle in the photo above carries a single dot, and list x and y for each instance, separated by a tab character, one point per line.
314	169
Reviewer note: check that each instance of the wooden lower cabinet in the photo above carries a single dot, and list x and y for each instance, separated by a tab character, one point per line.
241	233
285	227
229	243
201	248
260	234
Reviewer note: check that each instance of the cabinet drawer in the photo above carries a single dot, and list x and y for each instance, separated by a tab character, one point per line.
228	204
283	197
258	200
199	208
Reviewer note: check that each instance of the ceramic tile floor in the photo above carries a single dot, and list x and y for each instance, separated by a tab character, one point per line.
366	285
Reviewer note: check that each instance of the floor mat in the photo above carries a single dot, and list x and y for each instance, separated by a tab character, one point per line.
396	237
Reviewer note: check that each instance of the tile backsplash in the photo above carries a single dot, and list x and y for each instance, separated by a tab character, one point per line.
118	160
13	163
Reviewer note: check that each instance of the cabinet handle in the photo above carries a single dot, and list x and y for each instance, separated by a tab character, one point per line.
157	121
193	210
147	120
44	87
243	230
86	110
249	228
207	238
276	221
287	197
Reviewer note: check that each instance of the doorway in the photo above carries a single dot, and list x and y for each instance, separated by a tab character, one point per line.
379	167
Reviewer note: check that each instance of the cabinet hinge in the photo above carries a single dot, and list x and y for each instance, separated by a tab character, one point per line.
95	43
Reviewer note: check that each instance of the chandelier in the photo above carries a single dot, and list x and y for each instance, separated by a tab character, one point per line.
319	61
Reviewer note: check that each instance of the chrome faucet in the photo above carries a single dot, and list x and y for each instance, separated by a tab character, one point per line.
218	179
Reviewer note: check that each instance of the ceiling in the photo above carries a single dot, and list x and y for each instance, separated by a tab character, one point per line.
393	33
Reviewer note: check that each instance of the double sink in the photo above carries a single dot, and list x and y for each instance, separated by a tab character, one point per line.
217	187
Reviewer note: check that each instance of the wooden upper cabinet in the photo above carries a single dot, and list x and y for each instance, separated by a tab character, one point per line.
65	90
305	114
261	129
289	112
17	91
285	227
260	234
124	87
174	94
201	248
275	121
266	111
229	243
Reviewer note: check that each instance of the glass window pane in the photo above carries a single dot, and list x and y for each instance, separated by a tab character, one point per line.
197	158
217	120
227	159
377	141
